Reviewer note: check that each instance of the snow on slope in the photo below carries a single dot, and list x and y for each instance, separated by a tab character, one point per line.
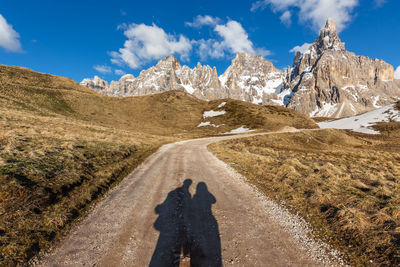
213	113
241	129
222	105
363	122
207	123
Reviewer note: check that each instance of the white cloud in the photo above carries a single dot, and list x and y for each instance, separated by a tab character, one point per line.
397	73
119	72
232	39
286	18
300	49
146	43
104	69
9	38
200	21
314	11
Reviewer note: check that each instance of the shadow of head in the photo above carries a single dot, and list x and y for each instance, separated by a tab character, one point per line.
187	183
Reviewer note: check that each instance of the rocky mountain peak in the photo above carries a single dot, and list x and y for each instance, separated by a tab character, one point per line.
96	83
251	77
127	77
329	81
328	38
169	62
251	63
330	25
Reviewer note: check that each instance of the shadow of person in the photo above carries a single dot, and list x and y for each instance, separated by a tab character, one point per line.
172	224
205	243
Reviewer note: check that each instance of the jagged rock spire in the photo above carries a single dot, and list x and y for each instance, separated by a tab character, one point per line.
330	25
329	81
328	38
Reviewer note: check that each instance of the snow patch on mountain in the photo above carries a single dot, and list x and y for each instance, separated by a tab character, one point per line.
362	123
222	105
241	129
207	123
213	113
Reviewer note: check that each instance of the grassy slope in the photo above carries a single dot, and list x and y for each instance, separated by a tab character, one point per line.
345	184
62	146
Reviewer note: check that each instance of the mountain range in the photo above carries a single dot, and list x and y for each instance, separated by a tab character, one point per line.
325	80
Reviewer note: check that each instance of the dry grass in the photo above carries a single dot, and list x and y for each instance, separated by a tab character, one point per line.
268	118
51	169
345	184
62	146
321	119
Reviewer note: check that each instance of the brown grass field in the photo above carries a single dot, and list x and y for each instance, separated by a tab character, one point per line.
345	184
62	146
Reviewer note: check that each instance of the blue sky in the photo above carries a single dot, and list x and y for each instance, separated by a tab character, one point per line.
80	39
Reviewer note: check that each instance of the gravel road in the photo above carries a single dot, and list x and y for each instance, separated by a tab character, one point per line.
184	206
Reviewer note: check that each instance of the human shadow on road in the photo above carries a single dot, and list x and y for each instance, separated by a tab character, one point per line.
187	228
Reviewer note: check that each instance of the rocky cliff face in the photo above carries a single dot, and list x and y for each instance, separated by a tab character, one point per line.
168	74
203	82
327	80
247	79
252	78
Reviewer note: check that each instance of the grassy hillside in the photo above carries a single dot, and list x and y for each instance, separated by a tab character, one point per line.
62	146
345	184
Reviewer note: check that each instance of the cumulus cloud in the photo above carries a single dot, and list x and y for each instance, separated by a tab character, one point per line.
149	42
397	73
302	48
104	69
205	20
9	38
315	12
232	38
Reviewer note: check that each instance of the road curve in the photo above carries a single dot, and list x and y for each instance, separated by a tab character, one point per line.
150	218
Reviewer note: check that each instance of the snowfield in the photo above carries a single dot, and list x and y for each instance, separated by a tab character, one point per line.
362	123
213	113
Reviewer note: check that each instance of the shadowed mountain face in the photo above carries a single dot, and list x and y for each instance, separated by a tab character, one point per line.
187	229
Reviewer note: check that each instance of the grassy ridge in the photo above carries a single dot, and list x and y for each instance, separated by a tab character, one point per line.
51	169
345	184
269	118
63	145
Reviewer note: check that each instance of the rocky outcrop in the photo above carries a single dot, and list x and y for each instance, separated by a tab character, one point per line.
328	81
96	84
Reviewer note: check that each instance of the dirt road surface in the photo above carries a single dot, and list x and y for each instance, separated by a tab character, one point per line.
183	205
